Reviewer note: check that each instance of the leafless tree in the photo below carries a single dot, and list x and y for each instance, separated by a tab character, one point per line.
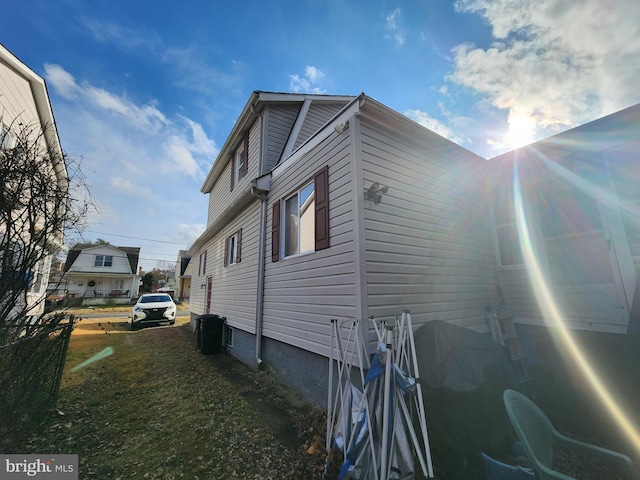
44	195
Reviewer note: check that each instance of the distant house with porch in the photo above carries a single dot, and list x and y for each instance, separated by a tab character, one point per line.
100	273
183	276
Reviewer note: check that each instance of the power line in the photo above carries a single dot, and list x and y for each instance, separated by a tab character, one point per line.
136	238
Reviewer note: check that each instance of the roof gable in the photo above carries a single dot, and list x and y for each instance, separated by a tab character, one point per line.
132	253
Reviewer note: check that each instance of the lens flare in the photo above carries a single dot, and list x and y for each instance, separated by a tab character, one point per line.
551	312
102	354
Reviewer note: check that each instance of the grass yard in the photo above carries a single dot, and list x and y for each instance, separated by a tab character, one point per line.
158	409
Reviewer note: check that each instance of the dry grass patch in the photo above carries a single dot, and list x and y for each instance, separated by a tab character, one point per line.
156	408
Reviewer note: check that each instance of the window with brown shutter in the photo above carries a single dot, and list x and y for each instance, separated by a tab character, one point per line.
305	224
232	248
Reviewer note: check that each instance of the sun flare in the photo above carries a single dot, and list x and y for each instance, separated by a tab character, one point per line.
521	131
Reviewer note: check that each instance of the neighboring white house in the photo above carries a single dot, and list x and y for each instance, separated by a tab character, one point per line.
99	273
183	276
24	101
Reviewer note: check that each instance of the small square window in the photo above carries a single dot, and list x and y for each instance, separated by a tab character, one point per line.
228	336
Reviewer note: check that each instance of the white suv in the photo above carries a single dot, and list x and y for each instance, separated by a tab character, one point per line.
153	308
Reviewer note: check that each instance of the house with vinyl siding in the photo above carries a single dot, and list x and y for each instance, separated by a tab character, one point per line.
581	209
25	109
337	207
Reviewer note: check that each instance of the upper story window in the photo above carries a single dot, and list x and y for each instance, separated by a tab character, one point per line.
240	162
239	170
202	265
103	261
300	222
232	248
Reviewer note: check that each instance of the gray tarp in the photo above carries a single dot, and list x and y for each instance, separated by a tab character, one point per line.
454	357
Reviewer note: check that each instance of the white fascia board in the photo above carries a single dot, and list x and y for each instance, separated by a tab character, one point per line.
344	117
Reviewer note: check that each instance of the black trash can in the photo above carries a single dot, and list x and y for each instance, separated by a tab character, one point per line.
198	333
211	330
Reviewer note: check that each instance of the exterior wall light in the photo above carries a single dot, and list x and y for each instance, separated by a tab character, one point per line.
375	192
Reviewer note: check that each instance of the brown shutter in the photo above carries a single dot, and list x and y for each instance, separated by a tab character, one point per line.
233	172
321	185
239	247
245	155
204	264
226	251
275	232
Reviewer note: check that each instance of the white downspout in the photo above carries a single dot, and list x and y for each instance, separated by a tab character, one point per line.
260	190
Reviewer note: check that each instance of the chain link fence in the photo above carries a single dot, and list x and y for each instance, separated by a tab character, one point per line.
30	375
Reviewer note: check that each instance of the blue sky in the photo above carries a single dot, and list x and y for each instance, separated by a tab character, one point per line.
146	92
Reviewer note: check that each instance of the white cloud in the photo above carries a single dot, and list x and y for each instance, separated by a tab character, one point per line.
126	38
307	82
143	166
395	32
61	80
127	186
188	233
558	63
432	124
139	116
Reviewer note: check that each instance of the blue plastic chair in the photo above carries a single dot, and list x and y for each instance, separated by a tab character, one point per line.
540	439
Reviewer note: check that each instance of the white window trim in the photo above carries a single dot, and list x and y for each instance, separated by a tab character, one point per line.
232	249
104	261
283	224
238	169
228	336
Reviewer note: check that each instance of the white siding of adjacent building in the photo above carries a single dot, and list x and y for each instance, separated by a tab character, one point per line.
86	261
17	101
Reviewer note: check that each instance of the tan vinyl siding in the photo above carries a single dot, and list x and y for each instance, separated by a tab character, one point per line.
235	286
16	101
220	196
303	293
318	115
428	243
280	120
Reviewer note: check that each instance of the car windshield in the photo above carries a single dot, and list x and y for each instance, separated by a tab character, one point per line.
155	299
